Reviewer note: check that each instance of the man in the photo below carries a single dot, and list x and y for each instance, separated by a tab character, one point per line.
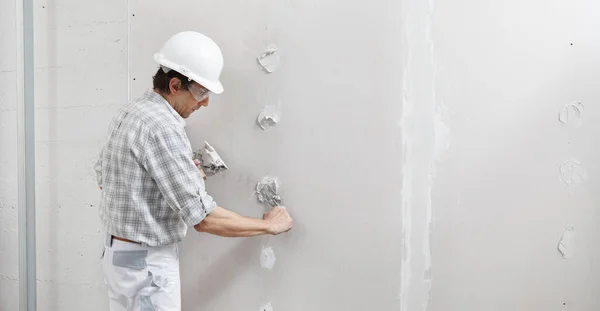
152	190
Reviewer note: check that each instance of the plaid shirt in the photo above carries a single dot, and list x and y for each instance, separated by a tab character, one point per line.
151	188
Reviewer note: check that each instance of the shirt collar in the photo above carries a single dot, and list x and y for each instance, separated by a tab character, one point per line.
155	97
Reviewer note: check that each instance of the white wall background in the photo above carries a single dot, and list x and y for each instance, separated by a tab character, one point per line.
9	270
419	150
504	70
81	79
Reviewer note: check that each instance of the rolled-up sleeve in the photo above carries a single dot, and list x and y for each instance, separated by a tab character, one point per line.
168	160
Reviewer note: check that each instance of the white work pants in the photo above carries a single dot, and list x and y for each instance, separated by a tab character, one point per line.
141	278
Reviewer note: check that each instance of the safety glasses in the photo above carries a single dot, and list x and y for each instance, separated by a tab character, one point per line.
200	93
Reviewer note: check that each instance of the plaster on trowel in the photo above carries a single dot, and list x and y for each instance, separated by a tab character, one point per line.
208	161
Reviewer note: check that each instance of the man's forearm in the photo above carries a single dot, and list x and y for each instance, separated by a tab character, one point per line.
226	223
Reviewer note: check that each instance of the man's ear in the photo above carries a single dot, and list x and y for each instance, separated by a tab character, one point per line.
174	85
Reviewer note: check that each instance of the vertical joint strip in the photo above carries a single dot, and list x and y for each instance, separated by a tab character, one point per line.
26	145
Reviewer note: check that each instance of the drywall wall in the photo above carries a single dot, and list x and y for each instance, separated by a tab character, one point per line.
503	71
336	150
420	147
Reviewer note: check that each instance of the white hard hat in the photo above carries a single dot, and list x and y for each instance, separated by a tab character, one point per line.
195	56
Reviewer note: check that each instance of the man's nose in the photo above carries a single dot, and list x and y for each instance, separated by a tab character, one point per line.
204	103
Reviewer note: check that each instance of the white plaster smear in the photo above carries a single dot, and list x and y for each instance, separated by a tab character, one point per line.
269	59
566	245
267	190
268	117
572	114
572	172
267	258
266	307
425	136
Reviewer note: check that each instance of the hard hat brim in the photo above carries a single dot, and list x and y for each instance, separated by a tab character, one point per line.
214	86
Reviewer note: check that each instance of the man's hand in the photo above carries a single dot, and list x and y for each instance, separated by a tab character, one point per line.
279	220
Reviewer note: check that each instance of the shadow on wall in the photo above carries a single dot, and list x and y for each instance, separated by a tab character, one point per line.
217	277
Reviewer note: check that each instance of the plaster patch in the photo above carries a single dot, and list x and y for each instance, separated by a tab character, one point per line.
267	258
268	117
268	189
266	307
209	160
572	114
269	59
423	143
566	245
572	172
